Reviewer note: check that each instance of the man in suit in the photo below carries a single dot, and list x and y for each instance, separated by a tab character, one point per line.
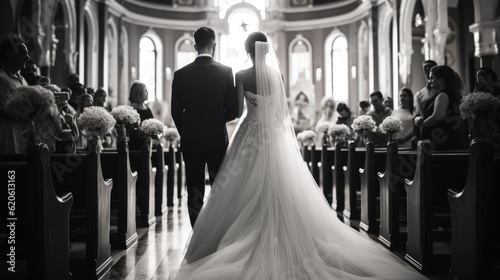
203	100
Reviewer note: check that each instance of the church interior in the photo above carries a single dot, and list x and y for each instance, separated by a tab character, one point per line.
341	50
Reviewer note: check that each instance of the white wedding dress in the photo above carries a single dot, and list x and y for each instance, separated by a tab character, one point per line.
266	218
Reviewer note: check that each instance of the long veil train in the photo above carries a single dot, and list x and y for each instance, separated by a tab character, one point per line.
266	217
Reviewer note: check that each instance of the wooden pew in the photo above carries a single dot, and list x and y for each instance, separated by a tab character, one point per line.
40	219
116	165
306	154
355	160
327	156
389	200
160	179
474	217
141	162
313	164
169	157
82	175
375	161
435	172
340	159
369	186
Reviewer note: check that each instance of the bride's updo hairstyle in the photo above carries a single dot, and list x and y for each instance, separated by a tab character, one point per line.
250	42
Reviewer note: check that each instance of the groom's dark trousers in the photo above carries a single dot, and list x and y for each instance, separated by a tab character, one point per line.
203	100
195	177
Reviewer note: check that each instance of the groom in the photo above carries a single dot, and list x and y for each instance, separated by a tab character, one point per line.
203	100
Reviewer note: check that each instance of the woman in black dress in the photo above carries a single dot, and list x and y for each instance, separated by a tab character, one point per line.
441	122
138	96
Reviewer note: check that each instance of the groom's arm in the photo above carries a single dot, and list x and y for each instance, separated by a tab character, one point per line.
176	109
230	100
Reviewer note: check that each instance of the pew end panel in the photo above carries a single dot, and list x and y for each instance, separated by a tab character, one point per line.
419	249
474	217
369	188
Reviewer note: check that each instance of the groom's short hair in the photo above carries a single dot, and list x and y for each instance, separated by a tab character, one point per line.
204	37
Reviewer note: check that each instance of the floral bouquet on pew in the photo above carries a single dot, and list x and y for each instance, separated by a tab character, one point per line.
339	132
151	128
96	122
322	129
126	119
171	135
306	137
482	111
391	126
363	126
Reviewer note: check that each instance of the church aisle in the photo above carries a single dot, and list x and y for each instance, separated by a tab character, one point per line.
158	251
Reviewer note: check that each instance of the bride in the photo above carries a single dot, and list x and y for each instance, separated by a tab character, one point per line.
265	217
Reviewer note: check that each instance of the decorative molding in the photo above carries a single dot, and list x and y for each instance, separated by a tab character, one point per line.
186	3
325	7
162	7
300	3
118	10
353	16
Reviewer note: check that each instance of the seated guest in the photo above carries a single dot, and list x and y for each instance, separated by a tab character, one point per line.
138	96
32	109
486	81
389	103
100	97
364	107
405	114
378	114
86	100
441	122
345	115
78	92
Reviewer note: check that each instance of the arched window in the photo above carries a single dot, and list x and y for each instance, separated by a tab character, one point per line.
147	66
340	69
185	52
225	5
300	60
336	67
242	20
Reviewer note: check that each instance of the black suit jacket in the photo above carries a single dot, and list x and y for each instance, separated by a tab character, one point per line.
203	100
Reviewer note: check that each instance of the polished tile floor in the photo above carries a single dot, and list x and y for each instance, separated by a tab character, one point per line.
160	249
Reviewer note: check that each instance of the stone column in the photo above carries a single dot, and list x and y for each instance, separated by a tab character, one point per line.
484	30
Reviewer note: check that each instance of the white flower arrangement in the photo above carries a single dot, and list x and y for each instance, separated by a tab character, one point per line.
171	134
339	130
307	137
364	123
126	115
391	125
323	126
151	127
476	101
96	120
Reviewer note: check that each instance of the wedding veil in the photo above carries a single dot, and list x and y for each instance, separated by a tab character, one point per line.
274	116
